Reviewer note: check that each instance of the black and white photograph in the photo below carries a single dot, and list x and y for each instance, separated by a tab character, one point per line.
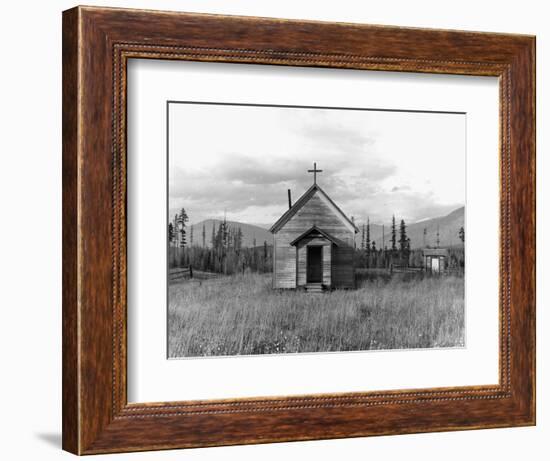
294	229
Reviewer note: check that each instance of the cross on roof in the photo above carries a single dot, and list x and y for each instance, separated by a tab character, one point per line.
315	171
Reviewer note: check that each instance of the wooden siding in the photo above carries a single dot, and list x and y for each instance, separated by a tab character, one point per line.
343	272
301	276
287	259
327	265
284	261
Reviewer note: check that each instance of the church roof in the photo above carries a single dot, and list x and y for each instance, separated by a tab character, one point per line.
301	202
318	232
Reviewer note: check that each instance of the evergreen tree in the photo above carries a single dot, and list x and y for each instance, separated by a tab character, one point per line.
238	239
373	247
191	236
203	235
404	242
393	234
363	237
183	218
225	233
461	234
175	227
402	236
218	243
170	233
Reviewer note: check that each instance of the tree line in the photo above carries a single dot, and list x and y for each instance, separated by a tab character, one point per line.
368	255
384	259
400	243
224	253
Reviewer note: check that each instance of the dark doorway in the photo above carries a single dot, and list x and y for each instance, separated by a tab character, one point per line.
314	264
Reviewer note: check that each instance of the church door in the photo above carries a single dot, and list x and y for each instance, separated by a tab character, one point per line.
435	265
314	264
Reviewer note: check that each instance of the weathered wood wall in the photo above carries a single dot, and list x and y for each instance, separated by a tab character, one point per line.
316	212
343	271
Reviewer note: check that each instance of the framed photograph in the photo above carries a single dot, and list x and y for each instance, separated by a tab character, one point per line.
282	230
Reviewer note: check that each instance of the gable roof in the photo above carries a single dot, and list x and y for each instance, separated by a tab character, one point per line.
316	229
301	202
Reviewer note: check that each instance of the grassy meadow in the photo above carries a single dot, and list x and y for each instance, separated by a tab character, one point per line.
242	315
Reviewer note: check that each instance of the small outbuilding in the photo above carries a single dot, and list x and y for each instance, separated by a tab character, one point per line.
313	244
435	260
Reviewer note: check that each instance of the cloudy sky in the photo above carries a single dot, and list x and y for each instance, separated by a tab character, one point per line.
242	159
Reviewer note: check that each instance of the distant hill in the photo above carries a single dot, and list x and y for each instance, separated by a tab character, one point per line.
250	231
449	226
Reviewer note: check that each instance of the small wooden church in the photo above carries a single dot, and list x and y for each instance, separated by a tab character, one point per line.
313	243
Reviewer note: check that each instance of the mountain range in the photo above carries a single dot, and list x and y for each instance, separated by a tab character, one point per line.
448	225
250	232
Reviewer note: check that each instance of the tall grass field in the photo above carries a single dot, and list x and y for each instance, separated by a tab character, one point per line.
243	315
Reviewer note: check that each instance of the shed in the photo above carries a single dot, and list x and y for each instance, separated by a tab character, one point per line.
435	260
313	244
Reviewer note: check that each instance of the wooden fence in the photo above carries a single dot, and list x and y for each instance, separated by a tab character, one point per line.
458	271
406	269
180	273
189	273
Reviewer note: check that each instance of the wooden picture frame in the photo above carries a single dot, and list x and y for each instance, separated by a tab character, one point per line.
97	43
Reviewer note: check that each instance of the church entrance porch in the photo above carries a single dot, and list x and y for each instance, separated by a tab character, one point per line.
314	260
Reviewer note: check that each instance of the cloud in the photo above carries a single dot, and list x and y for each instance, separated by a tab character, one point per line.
242	181
336	138
254	170
406	204
372	166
